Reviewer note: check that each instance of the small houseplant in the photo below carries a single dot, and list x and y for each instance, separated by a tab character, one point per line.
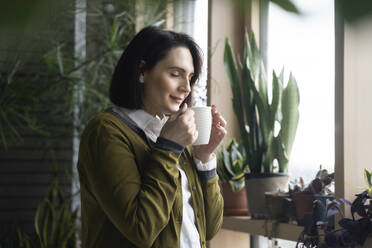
258	119
231	169
318	189
352	232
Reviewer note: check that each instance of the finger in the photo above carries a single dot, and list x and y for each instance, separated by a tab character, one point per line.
187	119
221	130
218	119
223	122
182	110
193	128
196	134
188	116
214	109
217	128
192	133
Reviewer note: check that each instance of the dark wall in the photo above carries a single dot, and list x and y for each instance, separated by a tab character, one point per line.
26	166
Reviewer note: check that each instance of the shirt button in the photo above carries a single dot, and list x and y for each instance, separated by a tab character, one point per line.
194	187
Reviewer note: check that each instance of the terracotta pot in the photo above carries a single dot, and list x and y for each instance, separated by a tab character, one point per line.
257	185
235	204
303	202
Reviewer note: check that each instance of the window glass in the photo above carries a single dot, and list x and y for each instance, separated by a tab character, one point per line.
304	45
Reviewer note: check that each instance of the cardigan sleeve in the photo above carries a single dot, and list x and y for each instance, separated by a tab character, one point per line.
138	205
213	204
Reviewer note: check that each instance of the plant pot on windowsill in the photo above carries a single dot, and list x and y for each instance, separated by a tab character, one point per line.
304	197
256	186
235	203
303	201
231	169
278	206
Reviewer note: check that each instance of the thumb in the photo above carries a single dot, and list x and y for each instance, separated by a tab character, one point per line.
179	112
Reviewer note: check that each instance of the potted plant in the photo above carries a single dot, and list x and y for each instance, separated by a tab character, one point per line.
304	197
230	170
267	128
351	233
278	206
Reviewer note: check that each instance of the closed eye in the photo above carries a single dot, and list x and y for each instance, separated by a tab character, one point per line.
175	74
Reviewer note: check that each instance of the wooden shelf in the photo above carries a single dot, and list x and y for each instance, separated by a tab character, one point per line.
266	228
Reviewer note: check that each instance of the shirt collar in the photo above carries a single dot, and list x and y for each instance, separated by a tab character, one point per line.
151	125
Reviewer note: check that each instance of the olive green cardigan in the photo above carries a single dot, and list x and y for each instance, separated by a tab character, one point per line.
131	191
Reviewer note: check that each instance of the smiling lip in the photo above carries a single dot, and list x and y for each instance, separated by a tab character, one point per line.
177	99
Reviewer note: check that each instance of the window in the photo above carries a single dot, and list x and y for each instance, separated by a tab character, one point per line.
305	46
191	17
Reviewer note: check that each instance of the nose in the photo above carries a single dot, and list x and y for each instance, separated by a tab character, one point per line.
185	86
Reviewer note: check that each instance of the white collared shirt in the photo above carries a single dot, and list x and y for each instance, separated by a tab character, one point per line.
152	127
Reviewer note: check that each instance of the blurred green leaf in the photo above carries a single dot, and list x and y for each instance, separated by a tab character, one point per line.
368	177
287	5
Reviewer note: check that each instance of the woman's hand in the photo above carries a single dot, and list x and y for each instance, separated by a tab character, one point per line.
181	128
204	152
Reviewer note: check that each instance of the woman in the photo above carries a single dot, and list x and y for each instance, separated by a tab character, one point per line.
142	183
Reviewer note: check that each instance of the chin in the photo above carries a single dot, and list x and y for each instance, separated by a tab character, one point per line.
173	109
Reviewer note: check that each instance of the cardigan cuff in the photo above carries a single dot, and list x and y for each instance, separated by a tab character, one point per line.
206	175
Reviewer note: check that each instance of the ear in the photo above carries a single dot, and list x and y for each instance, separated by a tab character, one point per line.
142	71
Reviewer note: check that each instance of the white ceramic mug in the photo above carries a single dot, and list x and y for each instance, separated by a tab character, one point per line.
203	120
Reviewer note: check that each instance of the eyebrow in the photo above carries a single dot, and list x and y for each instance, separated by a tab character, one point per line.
178	68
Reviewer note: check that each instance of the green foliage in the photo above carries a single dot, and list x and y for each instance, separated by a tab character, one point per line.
257	117
326	179
15	115
230	165
69	84
14	237
368	179
55	224
66	83
323	174
320	185
87	82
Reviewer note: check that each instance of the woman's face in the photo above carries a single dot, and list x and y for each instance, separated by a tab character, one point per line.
167	84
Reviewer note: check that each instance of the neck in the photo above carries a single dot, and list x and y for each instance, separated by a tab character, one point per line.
151	112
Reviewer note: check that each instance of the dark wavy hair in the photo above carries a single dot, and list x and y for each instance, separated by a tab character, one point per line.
150	45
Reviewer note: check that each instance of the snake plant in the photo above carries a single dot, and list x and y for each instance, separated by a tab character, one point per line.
257	116
231	167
